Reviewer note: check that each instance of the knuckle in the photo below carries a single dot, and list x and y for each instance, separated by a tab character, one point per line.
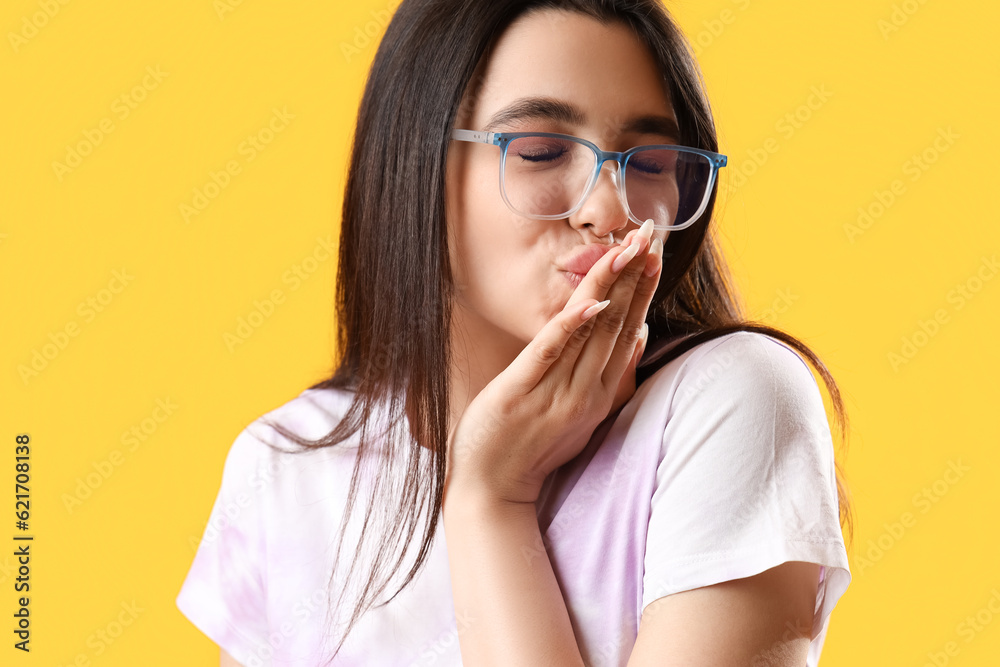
638	264
646	287
507	407
578	410
568	327
605	283
635	269
613	321
577	340
630	334
546	353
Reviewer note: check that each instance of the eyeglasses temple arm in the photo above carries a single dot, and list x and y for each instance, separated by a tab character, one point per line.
471	135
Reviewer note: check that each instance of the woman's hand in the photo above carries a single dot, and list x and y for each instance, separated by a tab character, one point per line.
542	409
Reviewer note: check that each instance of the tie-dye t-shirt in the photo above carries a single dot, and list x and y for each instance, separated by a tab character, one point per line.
721	466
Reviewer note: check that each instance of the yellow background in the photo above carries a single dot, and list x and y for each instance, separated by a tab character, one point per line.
894	76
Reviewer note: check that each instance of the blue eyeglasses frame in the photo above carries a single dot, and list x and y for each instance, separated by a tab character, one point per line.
503	139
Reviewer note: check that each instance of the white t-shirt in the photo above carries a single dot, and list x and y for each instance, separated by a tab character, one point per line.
721	466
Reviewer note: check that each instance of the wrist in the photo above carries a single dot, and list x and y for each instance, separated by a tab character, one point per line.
490	491
464	501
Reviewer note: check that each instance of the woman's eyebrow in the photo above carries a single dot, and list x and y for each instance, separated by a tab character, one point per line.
556	110
662	125
535	107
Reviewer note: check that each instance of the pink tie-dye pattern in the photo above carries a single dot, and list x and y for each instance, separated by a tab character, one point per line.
258	587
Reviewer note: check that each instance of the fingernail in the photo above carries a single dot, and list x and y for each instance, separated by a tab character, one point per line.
644	335
596	308
655	251
623	259
646	231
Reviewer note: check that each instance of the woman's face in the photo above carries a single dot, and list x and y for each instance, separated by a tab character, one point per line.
511	274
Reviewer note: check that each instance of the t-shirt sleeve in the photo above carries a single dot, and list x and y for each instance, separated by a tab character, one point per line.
224	592
746	478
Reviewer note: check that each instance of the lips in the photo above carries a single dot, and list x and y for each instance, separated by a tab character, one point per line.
582	259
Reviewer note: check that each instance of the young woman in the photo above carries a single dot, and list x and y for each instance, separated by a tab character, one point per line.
540	354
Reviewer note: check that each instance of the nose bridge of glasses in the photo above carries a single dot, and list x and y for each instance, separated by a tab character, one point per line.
613	162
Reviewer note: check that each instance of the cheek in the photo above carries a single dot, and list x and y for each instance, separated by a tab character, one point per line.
502	264
475	224
483	241
496	255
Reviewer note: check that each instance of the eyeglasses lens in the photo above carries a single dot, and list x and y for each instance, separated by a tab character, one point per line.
548	176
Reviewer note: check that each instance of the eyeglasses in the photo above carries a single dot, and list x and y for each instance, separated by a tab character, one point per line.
548	176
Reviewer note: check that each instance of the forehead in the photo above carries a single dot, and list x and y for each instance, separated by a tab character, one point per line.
603	69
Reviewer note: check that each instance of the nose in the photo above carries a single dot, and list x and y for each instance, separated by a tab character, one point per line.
603	212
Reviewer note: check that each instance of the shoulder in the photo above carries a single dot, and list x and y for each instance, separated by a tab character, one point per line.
311	415
750	366
747	358
260	449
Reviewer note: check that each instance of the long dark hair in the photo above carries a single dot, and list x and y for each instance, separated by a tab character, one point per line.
394	287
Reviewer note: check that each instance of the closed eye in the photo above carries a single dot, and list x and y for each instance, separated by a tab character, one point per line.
541	156
645	166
